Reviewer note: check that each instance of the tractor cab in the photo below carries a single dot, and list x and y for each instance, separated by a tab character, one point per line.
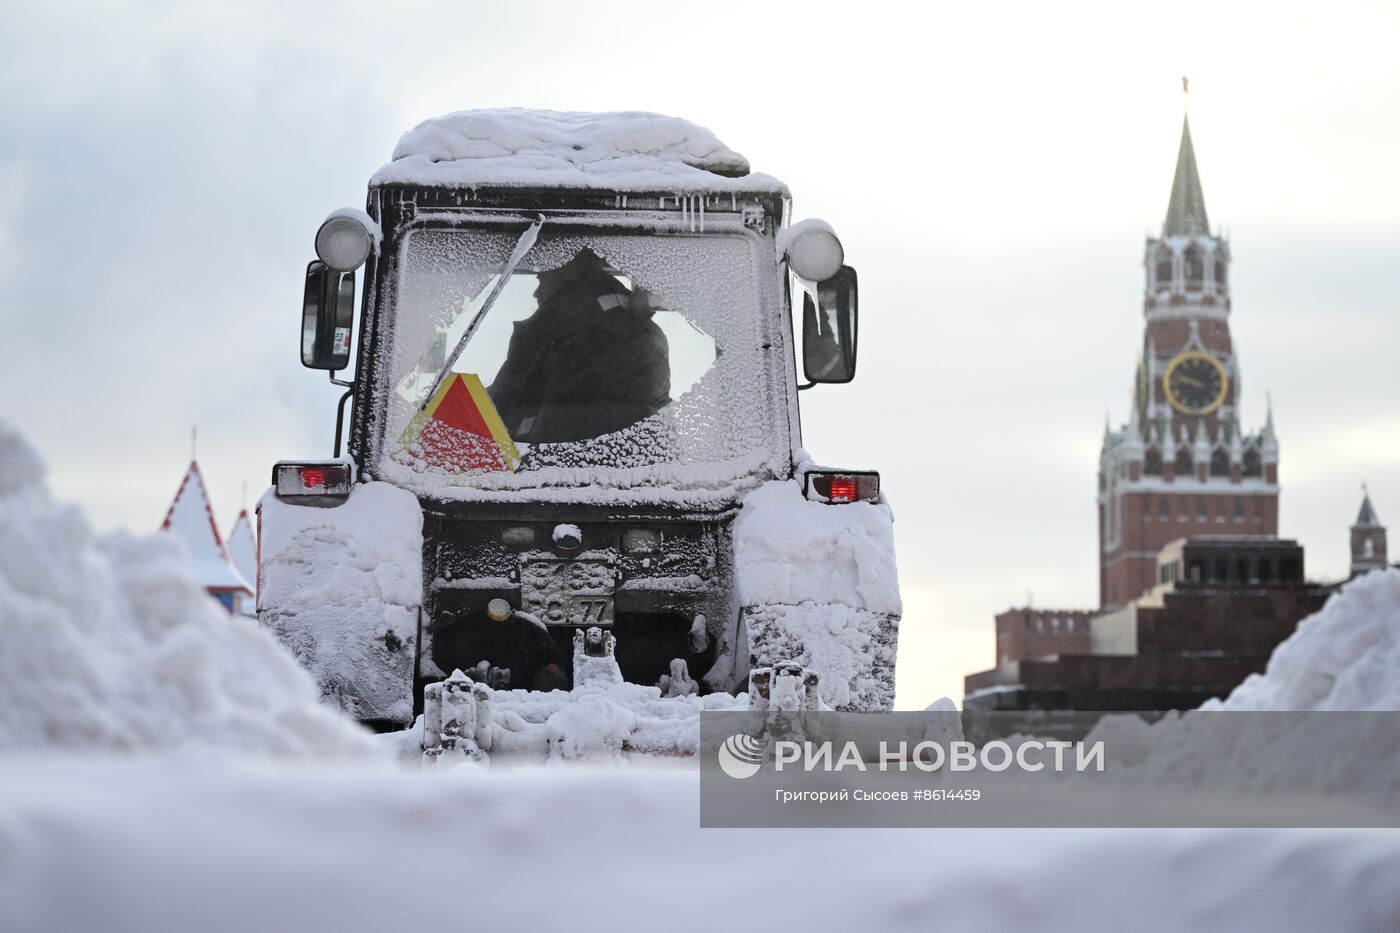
575	352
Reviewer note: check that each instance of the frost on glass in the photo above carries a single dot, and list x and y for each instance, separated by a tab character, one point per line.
606	359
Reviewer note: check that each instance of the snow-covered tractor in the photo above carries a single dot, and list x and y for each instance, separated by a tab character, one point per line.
574	407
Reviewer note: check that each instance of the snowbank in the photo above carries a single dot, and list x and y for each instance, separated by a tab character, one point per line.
139	846
21	467
622	151
109	642
817	584
341	588
1346	656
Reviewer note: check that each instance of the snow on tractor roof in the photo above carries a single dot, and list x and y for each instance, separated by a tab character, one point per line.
628	151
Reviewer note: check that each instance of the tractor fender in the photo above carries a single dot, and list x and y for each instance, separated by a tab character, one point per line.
342	589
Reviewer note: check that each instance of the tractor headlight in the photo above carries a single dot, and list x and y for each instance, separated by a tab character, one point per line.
812	249
345	239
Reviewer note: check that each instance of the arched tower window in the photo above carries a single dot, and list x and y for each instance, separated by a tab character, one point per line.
1252	464
1194	265
1152	462
1163	271
1220	463
1221	273
1183	464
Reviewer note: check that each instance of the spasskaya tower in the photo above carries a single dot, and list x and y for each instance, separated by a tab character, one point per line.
1182	465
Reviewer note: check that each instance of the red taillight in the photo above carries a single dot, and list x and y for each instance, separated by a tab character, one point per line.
843	487
324	483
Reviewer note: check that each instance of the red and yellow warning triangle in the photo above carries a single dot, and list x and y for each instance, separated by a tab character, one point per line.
460	431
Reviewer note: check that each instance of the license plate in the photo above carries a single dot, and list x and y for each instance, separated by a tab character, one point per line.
577	593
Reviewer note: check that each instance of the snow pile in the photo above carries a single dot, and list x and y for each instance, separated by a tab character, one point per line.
817	584
592	726
110	642
599	722
341	588
21	467
622	151
1346	656
138	846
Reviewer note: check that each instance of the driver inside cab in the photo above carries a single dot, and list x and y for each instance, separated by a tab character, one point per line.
589	361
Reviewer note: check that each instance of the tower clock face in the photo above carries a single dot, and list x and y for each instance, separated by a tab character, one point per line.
1196	383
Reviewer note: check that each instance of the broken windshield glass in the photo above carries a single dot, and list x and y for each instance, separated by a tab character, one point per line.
601	352
522	246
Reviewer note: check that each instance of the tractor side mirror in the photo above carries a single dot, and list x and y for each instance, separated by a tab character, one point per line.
328	309
829	329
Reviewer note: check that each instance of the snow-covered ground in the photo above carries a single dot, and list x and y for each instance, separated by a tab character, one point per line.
146	845
166	767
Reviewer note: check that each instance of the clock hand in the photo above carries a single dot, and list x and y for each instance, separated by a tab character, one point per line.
1191	382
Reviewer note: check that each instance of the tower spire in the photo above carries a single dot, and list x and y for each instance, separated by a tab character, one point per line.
1268	437
1186	209
1366	518
1368	544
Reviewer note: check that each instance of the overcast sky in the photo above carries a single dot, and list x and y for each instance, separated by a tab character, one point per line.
991	168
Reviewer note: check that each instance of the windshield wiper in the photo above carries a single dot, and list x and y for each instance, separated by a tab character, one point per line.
522	246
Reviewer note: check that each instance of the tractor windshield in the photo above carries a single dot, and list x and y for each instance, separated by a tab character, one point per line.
606	359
